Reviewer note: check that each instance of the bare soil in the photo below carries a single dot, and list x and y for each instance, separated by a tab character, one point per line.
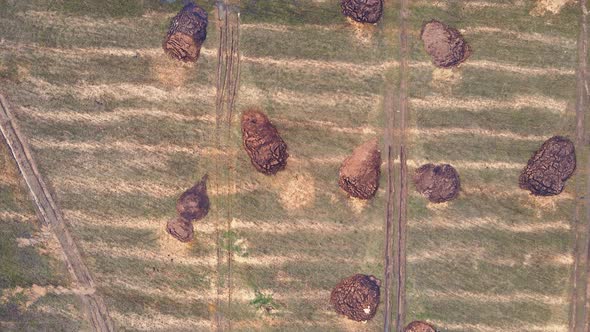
357	297
187	32
438	183
418	326
264	145
181	229
364	11
193	204
444	44
549	167
359	173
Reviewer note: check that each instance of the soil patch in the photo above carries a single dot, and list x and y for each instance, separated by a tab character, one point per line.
444	44
357	297
549	167
438	183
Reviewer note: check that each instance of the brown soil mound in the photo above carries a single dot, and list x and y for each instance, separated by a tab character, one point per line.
193	204
549	167
445	44
418	326
438	183
267	150
356	297
187	32
359	173
181	229
364	11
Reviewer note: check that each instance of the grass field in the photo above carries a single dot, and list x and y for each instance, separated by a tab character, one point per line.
119	131
35	290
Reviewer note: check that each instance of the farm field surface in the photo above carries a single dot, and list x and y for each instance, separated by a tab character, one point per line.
36	292
119	131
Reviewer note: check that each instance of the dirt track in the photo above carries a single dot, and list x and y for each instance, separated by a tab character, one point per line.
50	215
579	320
227	81
396	108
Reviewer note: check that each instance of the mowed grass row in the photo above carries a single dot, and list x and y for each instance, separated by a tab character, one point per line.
473	275
30	261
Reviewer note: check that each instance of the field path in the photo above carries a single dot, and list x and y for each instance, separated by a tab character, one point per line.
402	197
396	108
50	215
579	320
227	81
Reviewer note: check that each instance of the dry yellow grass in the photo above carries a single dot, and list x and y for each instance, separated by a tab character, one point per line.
534	227
498	298
543	7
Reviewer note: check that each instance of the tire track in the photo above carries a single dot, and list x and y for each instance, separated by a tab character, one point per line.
227	83
579	320
395	108
581	269
402	197
51	216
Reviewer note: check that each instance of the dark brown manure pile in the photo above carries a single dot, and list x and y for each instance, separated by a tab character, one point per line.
181	229
193	204
359	173
419	326
264	145
356	297
549	167
444	44
364	11
438	183
187	33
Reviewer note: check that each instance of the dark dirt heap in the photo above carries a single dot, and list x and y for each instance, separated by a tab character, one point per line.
445	44
438	183
193	204
359	173
181	229
187	32
364	11
267	150
418	326
356	297
549	167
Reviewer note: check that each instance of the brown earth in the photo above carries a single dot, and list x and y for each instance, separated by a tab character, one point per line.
359	173
187	32
444	44
438	183
181	229
364	11
193	204
549	167
264	145
357	297
418	326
